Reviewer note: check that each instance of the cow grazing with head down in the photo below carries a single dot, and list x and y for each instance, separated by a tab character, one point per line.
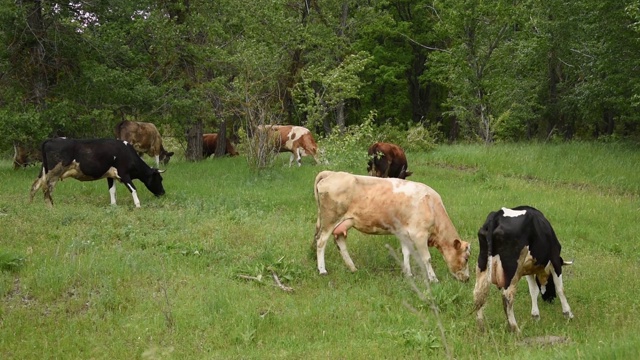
88	160
294	139
145	138
24	155
411	211
387	160
210	142
514	243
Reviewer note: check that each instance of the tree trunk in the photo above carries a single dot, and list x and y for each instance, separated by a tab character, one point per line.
37	55
221	146
194	141
340	121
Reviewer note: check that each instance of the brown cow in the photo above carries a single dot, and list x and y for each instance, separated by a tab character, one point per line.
295	139
387	160
411	211
145	138
25	155
210	142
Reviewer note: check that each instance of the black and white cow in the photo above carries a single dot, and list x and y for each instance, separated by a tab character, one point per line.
514	243
88	160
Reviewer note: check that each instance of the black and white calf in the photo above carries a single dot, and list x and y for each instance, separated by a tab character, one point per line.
514	243
88	160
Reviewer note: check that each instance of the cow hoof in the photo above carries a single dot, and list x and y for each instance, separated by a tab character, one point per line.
568	315
535	317
323	272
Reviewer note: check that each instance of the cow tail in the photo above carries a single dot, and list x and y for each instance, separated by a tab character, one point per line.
45	162
319	178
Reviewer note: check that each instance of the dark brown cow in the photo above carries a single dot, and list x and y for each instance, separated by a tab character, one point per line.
145	138
387	160
297	140
25	155
210	142
411	211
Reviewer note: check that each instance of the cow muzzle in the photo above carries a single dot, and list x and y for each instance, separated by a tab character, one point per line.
462	275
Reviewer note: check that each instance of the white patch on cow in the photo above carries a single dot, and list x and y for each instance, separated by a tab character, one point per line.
296	133
405	187
125	142
513	213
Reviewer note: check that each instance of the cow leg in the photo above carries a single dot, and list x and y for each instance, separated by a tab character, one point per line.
299	156
132	189
322	235
422	248
291	159
112	190
566	310
534	291
508	297
406	259
480	294
342	245
37	184
340	234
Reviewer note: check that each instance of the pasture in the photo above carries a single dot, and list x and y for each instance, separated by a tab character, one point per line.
189	275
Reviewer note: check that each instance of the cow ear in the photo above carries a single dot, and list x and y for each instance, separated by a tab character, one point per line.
457	244
170	154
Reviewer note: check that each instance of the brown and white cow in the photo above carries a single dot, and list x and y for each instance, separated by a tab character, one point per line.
210	142
297	140
411	211
387	160
515	243
145	138
24	155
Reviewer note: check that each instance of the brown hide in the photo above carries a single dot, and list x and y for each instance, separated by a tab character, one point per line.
25	155
411	211
210	142
387	160
145	139
297	140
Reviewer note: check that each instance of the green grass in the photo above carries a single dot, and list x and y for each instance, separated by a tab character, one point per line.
90	280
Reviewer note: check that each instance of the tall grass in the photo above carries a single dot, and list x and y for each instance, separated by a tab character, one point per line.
97	281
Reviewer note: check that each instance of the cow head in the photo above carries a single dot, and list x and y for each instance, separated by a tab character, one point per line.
165	156
154	182
457	258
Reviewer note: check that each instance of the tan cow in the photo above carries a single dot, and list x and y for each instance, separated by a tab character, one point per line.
297	140
411	211
145	138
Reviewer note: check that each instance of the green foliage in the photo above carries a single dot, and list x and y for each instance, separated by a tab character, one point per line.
11	262
349	149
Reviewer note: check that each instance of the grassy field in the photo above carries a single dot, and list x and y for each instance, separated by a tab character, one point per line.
169	281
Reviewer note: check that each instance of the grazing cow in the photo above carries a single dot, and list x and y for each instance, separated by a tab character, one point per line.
88	160
514	243
145	138
25	155
411	211
210	142
295	139
387	160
